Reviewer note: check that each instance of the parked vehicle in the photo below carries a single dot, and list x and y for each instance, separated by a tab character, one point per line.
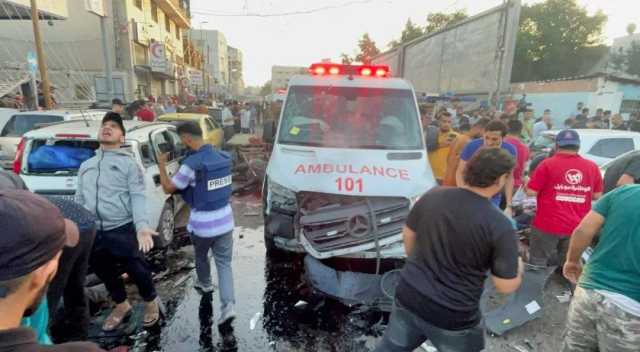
22	122
5	115
597	145
211	129
77	141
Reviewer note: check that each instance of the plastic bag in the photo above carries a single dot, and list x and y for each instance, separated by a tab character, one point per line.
56	157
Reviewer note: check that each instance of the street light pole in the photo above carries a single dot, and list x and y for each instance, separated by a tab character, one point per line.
44	76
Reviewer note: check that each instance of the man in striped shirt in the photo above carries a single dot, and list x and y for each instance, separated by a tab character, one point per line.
209	229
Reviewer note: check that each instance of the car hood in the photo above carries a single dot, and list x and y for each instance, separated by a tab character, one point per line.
359	172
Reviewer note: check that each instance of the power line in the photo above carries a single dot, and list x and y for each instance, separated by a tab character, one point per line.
284	14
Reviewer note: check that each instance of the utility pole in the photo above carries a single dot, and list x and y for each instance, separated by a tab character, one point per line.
44	76
106	54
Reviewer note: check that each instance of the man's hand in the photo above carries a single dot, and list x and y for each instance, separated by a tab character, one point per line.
162	159
145	239
572	271
508	212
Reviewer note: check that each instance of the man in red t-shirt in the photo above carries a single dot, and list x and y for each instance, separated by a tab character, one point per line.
565	185
514	133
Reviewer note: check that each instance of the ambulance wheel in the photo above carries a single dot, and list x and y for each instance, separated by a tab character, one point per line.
167	225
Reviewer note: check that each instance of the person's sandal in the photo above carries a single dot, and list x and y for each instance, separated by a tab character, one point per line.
116	318
152	313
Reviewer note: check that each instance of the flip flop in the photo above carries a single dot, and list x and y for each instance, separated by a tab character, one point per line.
151	318
115	319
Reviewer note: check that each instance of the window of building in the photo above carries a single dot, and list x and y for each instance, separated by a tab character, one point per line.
154	11
167	23
138	4
177	32
140	54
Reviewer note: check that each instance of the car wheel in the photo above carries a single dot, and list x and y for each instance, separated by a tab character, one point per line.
167	225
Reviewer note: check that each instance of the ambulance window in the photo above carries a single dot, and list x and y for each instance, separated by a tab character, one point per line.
347	117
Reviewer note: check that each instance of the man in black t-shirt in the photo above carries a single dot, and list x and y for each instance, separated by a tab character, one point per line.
623	171
438	296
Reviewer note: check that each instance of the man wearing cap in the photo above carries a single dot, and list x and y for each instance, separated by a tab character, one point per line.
111	186
565	185
29	255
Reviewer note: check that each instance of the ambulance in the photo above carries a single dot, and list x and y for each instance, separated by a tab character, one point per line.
348	163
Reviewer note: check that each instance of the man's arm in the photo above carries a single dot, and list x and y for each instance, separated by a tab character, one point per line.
506	265
460	173
409	239
79	197
597	195
580	239
625	179
138	196
508	190
507	286
167	185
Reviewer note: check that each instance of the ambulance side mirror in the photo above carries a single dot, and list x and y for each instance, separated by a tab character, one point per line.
269	131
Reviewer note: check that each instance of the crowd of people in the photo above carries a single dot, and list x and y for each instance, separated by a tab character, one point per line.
481	161
48	244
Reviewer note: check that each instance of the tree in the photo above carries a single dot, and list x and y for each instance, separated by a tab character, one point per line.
266	89
439	20
368	49
631	28
628	60
557	38
346	59
410	32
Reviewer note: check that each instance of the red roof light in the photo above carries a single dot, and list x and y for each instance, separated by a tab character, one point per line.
321	69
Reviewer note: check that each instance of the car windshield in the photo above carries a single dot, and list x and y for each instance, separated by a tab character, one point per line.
21	124
341	117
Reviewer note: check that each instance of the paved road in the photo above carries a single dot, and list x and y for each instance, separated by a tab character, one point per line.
267	291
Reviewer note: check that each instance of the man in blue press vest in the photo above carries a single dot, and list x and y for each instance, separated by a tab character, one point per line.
204	181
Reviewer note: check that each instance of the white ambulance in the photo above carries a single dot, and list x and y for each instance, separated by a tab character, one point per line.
348	163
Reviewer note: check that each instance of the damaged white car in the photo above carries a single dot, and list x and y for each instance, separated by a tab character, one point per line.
348	162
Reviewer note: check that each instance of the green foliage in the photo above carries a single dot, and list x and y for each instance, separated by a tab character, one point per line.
368	49
438	20
410	32
628	61
557	38
346	59
266	89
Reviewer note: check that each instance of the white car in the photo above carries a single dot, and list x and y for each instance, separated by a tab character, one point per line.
597	145
144	140
22	122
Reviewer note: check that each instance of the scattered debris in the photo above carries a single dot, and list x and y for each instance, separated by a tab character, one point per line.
301	305
518	348
564	297
181	280
528	343
254	321
428	347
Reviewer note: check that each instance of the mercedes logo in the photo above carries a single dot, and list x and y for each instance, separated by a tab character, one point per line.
358	226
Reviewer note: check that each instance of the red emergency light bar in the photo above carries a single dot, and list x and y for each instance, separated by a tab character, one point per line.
329	69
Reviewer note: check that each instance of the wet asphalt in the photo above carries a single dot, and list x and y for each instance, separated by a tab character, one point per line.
267	292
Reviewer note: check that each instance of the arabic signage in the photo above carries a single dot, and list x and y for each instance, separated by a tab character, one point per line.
157	57
195	77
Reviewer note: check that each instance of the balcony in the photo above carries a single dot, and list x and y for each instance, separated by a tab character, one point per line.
176	11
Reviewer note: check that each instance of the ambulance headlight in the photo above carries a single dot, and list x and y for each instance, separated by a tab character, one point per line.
280	197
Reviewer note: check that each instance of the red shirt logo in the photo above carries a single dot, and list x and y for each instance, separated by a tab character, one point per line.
573	177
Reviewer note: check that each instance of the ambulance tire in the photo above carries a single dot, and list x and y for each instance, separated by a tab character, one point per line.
166	227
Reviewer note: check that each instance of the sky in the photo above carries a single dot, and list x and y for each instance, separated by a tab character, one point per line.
336	25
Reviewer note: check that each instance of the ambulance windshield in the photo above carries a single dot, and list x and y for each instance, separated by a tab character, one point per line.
346	117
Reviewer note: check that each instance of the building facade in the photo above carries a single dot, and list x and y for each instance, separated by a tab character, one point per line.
236	79
144	42
214	45
280	76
